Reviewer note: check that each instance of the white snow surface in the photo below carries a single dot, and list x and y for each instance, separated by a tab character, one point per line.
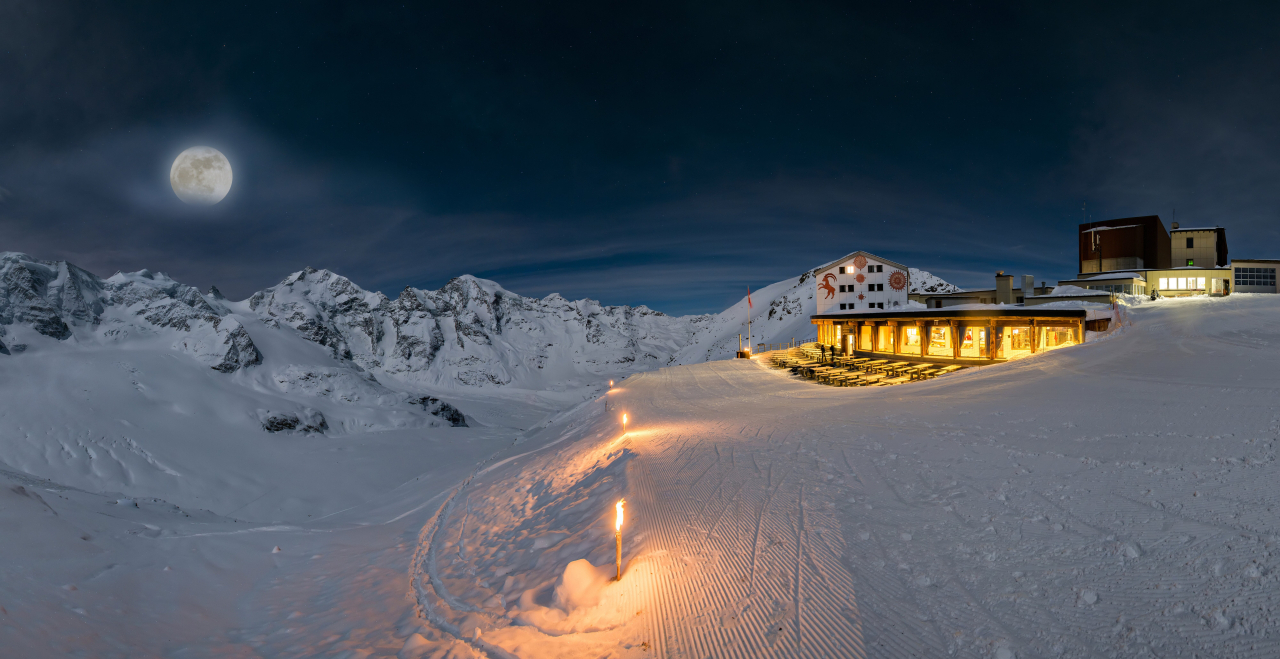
922	281
1099	500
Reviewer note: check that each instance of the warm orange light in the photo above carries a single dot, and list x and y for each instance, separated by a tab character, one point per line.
624	419
617	526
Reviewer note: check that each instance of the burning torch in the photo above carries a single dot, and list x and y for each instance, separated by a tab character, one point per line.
624	426
617	537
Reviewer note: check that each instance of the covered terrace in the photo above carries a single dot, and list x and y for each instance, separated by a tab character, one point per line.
951	336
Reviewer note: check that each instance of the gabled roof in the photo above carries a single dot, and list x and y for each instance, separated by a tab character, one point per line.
849	257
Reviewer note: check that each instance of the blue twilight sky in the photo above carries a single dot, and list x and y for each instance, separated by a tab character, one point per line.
668	154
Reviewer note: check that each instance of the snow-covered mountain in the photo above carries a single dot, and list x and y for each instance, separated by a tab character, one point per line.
52	313
923	281
50	298
471	334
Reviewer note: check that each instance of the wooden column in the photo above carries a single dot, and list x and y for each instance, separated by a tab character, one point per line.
955	339
1035	337
893	334
992	343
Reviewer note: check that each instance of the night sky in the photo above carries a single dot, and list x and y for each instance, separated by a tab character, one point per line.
639	153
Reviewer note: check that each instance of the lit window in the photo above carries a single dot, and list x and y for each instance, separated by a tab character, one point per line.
1164	283
1182	283
1191	261
1200	283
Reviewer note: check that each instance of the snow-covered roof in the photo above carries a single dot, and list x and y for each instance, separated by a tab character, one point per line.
849	257
1127	226
1116	275
1071	291
1178	230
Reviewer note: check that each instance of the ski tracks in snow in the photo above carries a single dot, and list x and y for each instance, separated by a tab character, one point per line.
775	518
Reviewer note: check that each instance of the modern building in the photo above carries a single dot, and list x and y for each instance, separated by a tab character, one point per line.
1255	275
1135	255
1129	243
1204	247
1131	283
862	282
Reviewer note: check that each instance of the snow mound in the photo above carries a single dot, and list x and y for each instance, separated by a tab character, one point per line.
582	585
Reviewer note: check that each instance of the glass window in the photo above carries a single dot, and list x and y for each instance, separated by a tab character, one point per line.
940	341
973	342
1056	337
1191	261
1200	283
1182	283
1164	283
911	340
884	340
1019	338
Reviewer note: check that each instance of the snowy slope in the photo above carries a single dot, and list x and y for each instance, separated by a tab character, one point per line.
779	313
923	282
1100	500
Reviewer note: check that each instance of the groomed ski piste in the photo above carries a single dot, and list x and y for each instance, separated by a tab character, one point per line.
1111	499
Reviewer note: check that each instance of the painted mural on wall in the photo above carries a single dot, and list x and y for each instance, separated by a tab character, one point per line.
861	283
827	287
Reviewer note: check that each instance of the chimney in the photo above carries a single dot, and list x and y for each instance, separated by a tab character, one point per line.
1175	226
1004	288
1028	286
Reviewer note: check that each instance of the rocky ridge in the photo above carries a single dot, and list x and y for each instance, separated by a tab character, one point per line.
53	298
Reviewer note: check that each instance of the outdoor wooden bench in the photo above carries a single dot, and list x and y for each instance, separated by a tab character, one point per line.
925	373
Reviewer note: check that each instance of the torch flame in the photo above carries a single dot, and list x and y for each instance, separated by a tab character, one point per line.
624	419
618	525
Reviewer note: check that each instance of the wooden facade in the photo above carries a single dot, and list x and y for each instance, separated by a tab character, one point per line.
969	336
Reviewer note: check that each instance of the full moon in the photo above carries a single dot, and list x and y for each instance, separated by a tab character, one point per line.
201	175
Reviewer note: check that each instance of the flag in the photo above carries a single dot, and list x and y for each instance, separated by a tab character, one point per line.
748	297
